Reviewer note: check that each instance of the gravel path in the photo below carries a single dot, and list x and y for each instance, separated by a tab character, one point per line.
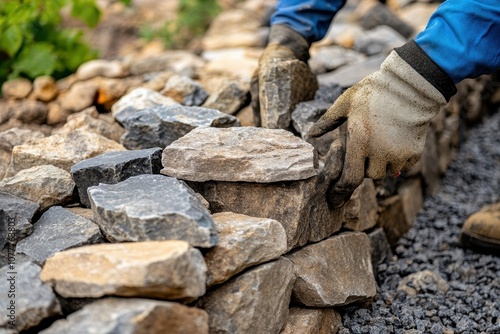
472	301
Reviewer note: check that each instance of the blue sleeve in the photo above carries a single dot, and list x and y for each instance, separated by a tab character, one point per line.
463	38
310	18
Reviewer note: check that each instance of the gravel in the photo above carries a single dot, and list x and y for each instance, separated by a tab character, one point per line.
472	302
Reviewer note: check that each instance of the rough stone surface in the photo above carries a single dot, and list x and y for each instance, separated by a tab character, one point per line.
137	269
17	88
159	126
102	68
82	212
243	242
58	229
61	150
34	300
411	197
114	167
81	95
134	316
420	281
185	90
25	111
310	320
46	185
392	218
178	61
15	213
329	58
380	248
430	164
361	209
254	302
152	207
111	90
343	277
229	98
239	154
44	88
141	98
381	39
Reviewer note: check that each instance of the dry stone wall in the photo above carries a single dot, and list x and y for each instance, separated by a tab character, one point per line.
139	196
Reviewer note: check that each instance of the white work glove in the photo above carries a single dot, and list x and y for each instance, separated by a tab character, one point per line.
388	114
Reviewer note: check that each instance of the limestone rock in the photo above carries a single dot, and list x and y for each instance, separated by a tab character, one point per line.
114	167
134	316
229	98
16	89
81	95
411	197
141	98
343	277
46	185
393	219
243	242
254	302
25	111
58	229
309	320
152	207
159	126
239	154
61	150
34	300
102	68
381	250
421	281
165	270
361	209
44	88
184	90
15	218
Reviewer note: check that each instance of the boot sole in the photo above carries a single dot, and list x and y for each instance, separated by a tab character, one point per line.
480	243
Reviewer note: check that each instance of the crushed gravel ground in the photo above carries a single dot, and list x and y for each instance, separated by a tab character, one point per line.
471	303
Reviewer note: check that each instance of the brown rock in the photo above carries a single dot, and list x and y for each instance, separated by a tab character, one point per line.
81	95
392	219
111	90
419	281
163	269
158	80
412	198
44	88
243	242
343	277
361	210
310	320
56	114
17	88
246	117
229	98
430	164
254	302
26	111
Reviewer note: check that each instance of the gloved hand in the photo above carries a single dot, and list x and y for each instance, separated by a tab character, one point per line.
388	114
282	79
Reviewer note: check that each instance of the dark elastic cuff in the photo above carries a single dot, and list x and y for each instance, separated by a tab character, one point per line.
413	54
286	36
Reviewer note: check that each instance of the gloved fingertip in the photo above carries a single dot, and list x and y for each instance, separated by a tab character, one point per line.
317	130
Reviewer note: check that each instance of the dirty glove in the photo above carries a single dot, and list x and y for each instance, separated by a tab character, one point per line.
388	114
282	79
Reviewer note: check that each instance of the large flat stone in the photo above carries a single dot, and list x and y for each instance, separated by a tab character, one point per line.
312	320
239	154
243	242
163	269
34	300
58	229
133	316
15	218
254	302
159	126
152	207
114	167
334	272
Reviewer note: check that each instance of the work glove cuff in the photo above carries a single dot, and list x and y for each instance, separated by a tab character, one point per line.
285	36
413	54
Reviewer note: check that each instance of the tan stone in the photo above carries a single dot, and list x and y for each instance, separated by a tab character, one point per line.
392	219
26	111
235	63
56	114
361	211
243	241
141	98
311	320
430	164
229	98
158	81
111	90
17	88
82	212
412	198
45	88
163	269
254	302
81	95
246	116
334	272
419	281
184	90
101	67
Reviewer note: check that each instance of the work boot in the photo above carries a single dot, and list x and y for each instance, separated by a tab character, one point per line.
482	229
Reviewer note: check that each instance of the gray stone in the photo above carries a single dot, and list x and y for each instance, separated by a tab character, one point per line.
34	300
381	39
310	320
229	98
26	111
254	302
152	207
141	98
381	250
419	281
185	90
15	218
114	167
133	316
239	154
334	272
243	242
58	229
159	126
329	58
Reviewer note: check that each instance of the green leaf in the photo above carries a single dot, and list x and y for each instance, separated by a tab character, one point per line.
87	11
12	39
126	2
35	60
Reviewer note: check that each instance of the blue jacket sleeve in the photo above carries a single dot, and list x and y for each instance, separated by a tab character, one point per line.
463	38
310	18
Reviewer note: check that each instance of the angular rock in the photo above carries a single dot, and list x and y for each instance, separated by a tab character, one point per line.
239	154
16	89
58	229
159	126
44	88
34	300
114	167
420	282
309	320
46	185
329	58
141	98
361	209
411	197
243	242
25	111
134	316
392	219
380	16
229	98
254	302
61	150
101	68
81	95
381	250
164	270
152	207
184	90
82	212
15	218
111	90
343	277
